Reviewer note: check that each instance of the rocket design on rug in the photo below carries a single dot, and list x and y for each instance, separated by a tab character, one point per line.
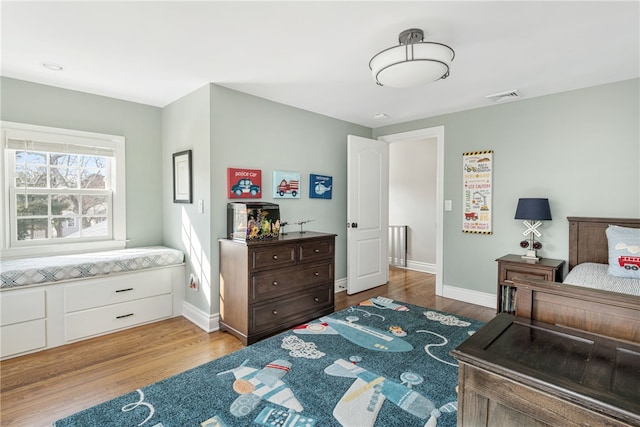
365	336
363	400
383	304
254	385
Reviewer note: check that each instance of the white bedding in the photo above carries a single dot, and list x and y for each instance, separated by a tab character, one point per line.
592	275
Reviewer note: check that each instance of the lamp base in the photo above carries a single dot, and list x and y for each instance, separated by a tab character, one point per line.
531	255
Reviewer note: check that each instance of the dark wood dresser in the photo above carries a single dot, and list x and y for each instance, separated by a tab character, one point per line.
267	286
520	372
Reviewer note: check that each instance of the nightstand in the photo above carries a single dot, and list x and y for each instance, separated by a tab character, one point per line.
514	265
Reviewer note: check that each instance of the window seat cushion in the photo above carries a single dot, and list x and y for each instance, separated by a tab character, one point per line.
44	270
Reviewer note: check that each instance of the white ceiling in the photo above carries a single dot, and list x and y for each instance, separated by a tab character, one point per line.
315	55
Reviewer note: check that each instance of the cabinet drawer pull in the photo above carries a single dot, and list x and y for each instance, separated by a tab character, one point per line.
275	312
124	290
124	315
317	251
316	274
275	257
275	283
316	299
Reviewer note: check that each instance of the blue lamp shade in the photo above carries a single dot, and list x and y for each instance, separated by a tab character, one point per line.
533	209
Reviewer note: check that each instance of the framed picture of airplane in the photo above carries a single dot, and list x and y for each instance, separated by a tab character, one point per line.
320	186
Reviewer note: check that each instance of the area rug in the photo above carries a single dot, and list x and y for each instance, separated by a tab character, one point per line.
379	363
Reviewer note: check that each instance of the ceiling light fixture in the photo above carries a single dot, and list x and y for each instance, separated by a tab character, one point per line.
413	62
51	66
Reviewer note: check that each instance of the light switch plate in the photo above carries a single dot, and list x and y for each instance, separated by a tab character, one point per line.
448	205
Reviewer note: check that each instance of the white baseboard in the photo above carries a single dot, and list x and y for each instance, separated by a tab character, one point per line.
472	297
205	321
423	267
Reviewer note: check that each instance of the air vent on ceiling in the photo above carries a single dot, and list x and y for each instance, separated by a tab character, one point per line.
504	96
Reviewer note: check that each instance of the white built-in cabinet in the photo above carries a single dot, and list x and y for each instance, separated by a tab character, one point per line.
45	316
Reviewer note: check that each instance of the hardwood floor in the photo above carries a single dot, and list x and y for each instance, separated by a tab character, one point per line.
39	388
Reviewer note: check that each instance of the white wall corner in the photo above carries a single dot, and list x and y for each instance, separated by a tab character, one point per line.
341	285
205	321
469	296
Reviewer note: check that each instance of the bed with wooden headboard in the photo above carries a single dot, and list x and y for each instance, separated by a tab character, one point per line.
596	311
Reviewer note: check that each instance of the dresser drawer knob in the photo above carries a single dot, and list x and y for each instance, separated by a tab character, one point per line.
317	251
275	312
275	257
316	299
316	274
275	283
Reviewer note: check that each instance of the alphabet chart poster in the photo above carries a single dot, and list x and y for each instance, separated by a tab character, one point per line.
477	168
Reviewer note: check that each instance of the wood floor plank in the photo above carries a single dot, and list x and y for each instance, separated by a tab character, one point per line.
39	388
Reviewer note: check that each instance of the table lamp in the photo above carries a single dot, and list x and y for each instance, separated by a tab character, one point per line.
532	211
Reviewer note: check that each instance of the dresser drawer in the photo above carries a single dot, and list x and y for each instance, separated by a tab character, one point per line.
97	321
19	306
273	256
270	315
316	249
271	284
102	292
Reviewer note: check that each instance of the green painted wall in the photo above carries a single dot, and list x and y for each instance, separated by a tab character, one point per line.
581	149
255	133
141	125
185	126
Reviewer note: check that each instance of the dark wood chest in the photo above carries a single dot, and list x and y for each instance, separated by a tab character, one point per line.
516	371
267	286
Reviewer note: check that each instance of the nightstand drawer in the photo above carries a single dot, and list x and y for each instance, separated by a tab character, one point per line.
509	274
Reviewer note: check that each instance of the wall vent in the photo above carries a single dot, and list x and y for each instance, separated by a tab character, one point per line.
504	96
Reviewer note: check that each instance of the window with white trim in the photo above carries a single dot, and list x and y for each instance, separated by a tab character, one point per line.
64	189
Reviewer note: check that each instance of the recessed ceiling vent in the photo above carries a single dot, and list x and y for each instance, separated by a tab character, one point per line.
504	96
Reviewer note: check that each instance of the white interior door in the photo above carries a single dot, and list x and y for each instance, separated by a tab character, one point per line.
367	213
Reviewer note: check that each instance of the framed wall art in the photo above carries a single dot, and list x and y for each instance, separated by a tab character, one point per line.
244	183
320	186
286	185
477	171
182	186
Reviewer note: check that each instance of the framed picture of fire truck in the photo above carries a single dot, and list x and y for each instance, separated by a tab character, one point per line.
286	185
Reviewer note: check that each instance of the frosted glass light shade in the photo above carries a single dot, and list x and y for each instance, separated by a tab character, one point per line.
411	65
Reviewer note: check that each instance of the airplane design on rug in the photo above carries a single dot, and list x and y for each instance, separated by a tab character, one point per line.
365	336
254	385
363	400
383	304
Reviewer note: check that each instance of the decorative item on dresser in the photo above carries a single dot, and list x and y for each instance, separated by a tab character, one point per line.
510	266
267	286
